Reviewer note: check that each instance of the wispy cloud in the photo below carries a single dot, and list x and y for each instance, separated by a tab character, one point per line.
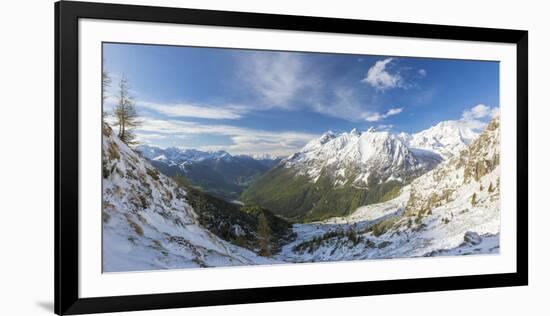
276	77
244	140
150	138
375	117
343	104
286	81
278	144
195	110
379	77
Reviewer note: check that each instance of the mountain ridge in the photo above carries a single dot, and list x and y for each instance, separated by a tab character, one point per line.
217	172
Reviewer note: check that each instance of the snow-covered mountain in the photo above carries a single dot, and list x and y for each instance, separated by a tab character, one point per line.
336	173
216	172
177	156
359	157
148	222
453	209
447	138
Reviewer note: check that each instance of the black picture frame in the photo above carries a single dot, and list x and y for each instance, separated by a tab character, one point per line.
67	15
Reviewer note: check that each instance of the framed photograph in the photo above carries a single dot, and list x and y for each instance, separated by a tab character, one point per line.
208	157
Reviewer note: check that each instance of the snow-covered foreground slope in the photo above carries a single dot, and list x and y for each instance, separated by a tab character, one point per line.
147	223
453	209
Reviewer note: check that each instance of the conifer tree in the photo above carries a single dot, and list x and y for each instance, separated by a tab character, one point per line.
474	199
491	189
264	235
126	116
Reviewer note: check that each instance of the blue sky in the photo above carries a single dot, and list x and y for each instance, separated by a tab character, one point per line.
255	102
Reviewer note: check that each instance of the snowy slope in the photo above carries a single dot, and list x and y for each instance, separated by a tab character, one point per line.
147	223
452	210
355	157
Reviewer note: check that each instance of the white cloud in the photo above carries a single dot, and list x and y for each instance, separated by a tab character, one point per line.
193	110
393	111
244	140
150	138
278	144
476	112
381	79
422	72
276	77
375	117
286	81
476	117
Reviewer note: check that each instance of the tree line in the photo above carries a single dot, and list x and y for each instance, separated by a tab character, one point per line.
125	113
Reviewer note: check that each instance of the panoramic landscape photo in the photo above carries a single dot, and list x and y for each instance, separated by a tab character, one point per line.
228	157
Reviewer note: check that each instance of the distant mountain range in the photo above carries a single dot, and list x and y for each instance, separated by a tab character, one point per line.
216	172
330	176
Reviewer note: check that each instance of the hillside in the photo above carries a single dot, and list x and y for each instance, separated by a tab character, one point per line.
148	222
235	223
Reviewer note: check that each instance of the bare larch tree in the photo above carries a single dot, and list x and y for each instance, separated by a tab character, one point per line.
126	116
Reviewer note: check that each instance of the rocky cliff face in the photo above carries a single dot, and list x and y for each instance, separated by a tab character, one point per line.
440	185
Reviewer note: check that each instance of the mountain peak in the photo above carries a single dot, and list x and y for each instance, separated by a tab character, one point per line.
328	135
354	157
446	138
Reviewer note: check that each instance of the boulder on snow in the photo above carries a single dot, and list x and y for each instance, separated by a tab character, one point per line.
472	238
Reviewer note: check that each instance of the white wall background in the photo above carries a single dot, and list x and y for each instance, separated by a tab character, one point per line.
26	159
